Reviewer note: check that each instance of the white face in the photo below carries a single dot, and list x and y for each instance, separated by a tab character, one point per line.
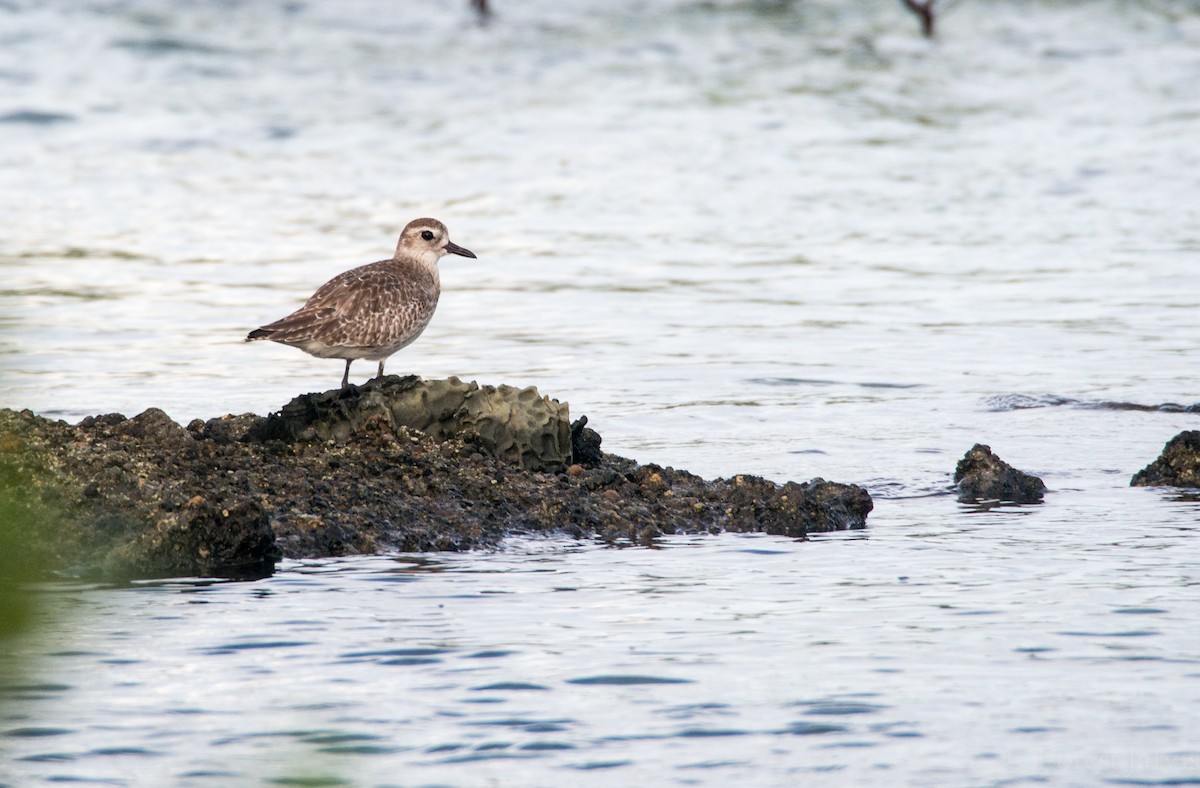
428	240
425	237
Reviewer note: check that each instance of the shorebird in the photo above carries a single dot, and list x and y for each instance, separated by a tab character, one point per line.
374	310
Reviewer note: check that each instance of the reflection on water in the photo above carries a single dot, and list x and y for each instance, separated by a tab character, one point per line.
790	241
915	656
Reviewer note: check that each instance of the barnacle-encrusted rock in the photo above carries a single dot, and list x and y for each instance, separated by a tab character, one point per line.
1177	466
341	473
982	476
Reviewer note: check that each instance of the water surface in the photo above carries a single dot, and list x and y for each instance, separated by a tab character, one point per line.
792	240
888	658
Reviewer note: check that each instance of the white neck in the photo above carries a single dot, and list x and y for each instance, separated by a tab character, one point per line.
426	260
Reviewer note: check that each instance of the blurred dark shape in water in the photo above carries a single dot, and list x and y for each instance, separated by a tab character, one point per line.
925	12
35	117
27	529
18	568
22	608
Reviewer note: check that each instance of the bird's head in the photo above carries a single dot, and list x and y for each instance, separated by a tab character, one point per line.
428	240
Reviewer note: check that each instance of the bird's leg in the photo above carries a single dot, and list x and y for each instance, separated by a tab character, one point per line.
380	375
346	375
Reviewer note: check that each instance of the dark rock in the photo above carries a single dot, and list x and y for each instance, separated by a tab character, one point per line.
341	473
982	476
1177	466
585	444
202	539
827	506
103	420
153	426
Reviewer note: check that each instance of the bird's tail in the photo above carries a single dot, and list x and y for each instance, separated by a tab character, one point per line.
258	333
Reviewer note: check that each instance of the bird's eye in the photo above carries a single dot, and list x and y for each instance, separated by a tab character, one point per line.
427	235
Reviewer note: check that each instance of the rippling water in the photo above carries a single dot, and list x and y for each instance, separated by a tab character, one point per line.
893	659
786	239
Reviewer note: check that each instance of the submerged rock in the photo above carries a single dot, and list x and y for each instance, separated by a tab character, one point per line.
1177	466
982	476
348	472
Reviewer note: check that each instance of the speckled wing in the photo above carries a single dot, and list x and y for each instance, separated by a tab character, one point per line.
382	306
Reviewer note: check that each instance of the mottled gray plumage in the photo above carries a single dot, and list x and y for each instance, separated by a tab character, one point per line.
373	310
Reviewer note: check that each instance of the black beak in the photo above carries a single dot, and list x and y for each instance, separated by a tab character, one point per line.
453	248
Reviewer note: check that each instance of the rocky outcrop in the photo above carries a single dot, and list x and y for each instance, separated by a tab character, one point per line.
1177	466
349	472
982	476
518	425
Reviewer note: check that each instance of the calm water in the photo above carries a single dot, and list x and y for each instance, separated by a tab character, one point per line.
741	237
